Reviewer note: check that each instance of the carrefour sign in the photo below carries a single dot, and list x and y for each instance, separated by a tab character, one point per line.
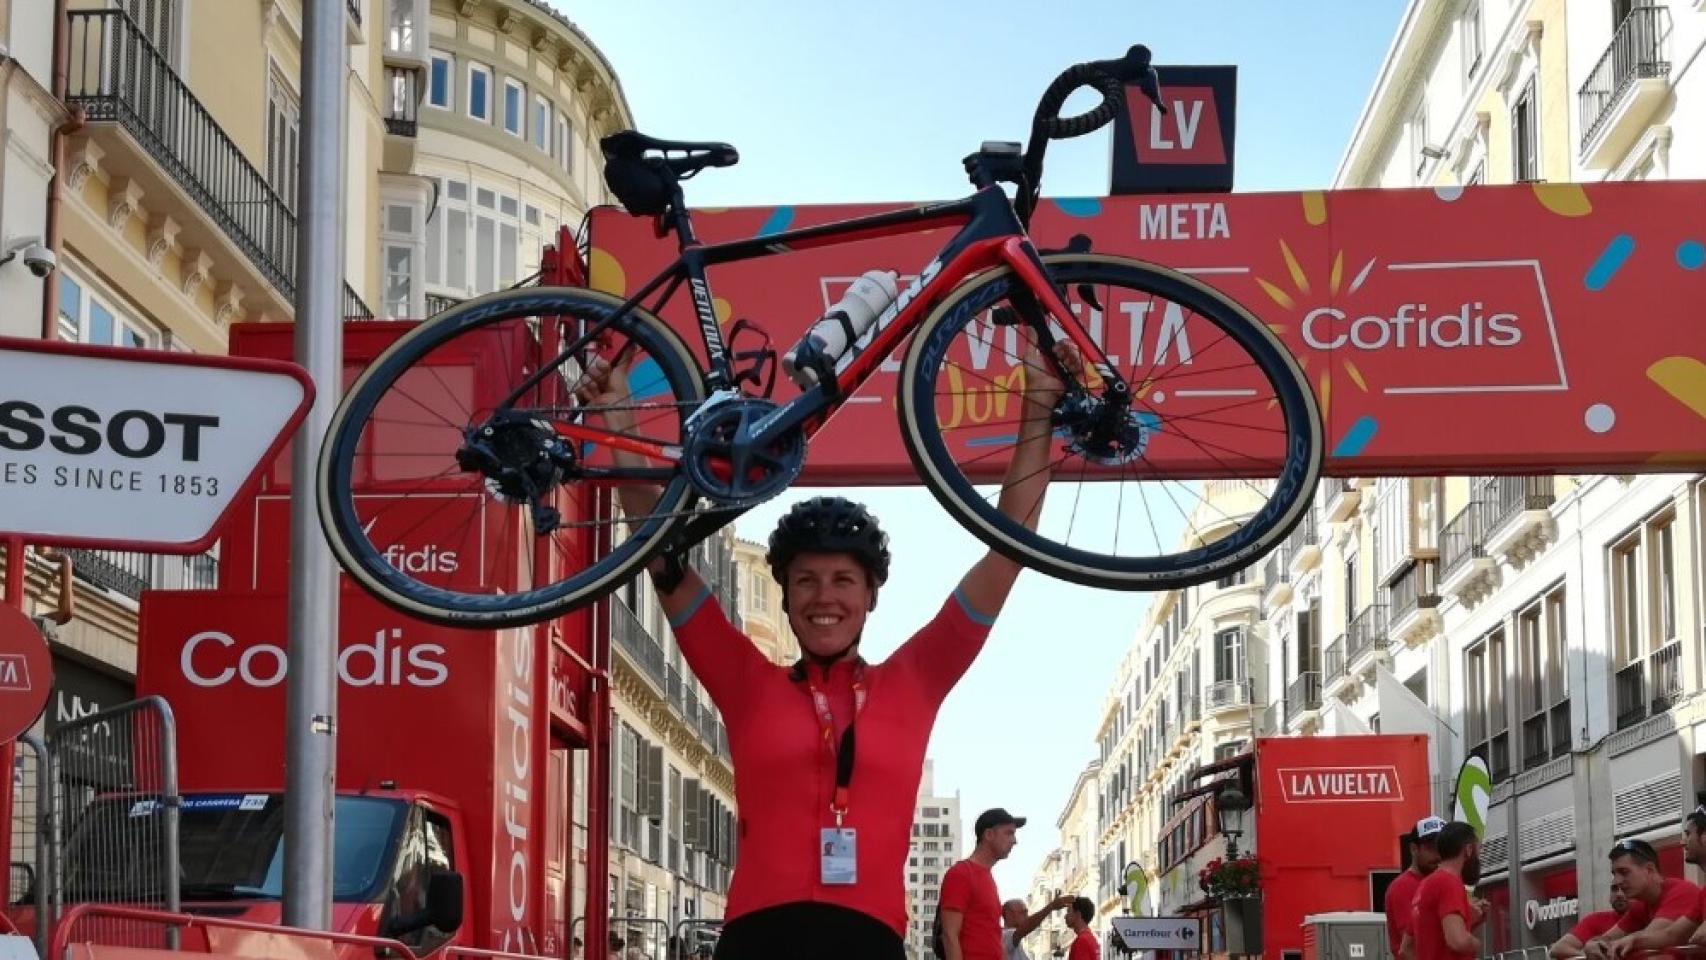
134	448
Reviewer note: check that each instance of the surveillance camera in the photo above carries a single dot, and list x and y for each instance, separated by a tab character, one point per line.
39	259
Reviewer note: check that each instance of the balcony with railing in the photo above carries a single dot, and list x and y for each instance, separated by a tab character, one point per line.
155	134
1304	545
1625	86
1365	635
128	574
1649	685
1228	695
1518	519
1546	735
1464	566
1342	495
1333	661
643	649
1302	697
403	86
437	303
1413	600
1276	578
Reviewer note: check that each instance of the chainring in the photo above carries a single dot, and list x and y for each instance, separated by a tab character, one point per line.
728	473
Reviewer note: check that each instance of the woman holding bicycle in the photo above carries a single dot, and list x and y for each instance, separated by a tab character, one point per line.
828	754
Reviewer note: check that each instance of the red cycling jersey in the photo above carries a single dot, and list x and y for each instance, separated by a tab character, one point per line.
785	772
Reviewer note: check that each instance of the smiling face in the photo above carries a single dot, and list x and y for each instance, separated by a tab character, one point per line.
829	595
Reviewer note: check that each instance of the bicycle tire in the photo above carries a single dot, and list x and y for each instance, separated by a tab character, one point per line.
1305	440
376	575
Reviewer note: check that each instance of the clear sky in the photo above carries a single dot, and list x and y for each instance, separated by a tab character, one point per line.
879	100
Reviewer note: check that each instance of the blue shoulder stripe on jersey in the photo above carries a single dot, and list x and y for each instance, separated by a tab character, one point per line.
692	607
971	614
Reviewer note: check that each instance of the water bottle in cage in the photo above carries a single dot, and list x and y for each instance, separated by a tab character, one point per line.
812	360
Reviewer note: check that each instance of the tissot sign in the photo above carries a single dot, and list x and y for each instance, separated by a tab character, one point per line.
127	447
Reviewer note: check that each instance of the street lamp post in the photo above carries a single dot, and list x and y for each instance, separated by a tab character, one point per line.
1230	805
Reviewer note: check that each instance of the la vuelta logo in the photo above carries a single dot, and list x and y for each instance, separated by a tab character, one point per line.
1370	784
1482	326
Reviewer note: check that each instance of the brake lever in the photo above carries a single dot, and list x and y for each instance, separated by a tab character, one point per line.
1135	67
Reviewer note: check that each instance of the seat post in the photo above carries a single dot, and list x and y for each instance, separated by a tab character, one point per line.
681	219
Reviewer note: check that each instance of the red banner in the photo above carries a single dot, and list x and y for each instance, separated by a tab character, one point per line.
1535	327
1367	790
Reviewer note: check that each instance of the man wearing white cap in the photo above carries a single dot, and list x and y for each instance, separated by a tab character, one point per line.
1401	894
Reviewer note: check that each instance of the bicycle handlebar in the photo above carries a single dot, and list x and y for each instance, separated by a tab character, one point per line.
1110	77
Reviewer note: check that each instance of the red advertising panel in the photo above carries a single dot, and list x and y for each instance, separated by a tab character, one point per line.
1366	790
1529	328
429	708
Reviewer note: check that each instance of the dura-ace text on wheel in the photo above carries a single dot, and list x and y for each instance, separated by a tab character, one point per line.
1205	465
458	461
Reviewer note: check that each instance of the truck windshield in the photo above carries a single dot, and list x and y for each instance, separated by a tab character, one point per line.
230	848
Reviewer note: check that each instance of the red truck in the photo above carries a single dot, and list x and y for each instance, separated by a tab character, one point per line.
455	810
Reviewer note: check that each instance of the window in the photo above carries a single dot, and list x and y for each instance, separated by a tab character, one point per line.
541	123
438	81
565	143
1471	27
284	136
1662	563
480	92
1626	600
1478	175
1229	655
400	34
86	316
1525	149
400	255
1545	704
514	97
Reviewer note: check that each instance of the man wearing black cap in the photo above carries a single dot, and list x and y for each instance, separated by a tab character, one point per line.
970	907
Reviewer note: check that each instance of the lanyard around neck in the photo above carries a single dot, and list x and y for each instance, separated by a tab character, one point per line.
826	731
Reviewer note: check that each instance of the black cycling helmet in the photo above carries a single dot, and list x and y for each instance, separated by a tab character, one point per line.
829	525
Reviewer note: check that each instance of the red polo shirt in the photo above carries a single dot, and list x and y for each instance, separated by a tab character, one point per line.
1401	907
1084	947
785	776
1594	924
1678	900
1440	895
968	889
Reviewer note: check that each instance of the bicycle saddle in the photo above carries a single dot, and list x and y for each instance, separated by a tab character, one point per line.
632	145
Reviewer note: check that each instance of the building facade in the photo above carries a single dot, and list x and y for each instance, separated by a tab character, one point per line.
471	131
937	844
761	605
1071	867
1188	692
672	826
1549	625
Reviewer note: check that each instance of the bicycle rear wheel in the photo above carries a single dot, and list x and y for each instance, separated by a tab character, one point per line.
1212	465
452	506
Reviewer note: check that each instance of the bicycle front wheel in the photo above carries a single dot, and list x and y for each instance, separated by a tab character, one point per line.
455	502
1212	464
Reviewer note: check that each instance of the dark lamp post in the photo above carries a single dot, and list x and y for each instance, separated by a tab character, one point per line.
1230	805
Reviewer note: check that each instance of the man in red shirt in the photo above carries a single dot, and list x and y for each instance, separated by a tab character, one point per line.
969	905
1444	914
1662	912
1401	894
1084	945
1593	925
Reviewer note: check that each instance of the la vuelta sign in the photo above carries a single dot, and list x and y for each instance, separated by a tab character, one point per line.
1372	784
1429	322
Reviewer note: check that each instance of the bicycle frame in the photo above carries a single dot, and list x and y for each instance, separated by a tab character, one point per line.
990	236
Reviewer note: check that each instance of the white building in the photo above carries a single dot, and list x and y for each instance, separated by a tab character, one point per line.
1549	625
936	846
